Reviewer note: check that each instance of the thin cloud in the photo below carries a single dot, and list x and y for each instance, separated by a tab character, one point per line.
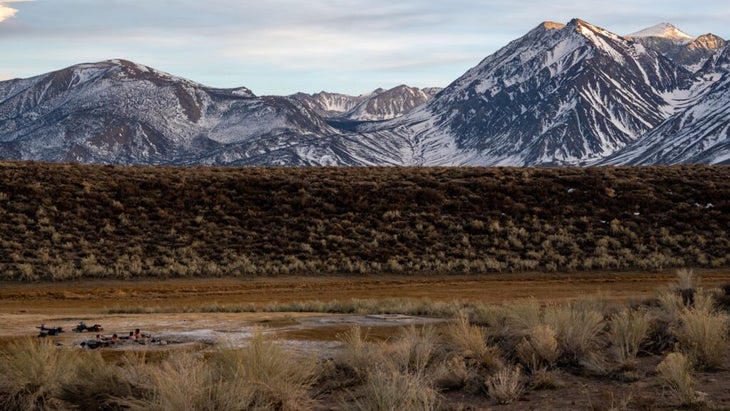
284	46
7	12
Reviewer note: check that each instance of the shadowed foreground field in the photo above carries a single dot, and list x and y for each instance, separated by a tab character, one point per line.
221	251
598	341
63	222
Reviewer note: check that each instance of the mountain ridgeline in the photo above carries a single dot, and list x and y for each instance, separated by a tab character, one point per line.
563	94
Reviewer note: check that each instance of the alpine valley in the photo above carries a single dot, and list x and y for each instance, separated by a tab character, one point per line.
563	94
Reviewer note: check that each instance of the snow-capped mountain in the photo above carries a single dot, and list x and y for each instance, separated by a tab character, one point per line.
683	49
378	105
664	31
562	94
329	105
120	112
699	133
389	104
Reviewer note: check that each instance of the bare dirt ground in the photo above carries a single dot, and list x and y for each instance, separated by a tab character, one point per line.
177	303
100	296
25	306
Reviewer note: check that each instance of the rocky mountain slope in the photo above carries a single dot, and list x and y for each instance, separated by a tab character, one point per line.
563	94
378	105
120	112
698	133
329	105
683	49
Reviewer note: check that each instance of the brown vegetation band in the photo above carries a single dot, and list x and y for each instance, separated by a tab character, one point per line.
61	221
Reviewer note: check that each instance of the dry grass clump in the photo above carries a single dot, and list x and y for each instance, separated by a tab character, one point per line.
413	350
687	284
95	383
524	315
578	329
540	348
675	373
261	375
506	385
702	332
276	378
628	330
181	382
544	379
670	305
395	374
393	390
470	341
452	374
356	354
32	373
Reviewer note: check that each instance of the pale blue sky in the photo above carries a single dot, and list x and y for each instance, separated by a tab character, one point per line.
285	46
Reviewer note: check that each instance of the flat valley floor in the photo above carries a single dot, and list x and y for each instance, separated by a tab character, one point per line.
202	311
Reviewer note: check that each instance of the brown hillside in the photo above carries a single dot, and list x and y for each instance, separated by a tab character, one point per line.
60	221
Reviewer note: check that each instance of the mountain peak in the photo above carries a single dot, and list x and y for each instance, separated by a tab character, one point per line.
551	25
707	41
586	28
663	30
576	22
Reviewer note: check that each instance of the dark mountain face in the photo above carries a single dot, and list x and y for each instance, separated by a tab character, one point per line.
562	94
698	133
121	112
329	105
379	105
691	56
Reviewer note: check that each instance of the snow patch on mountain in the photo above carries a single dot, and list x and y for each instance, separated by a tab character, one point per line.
663	30
563	94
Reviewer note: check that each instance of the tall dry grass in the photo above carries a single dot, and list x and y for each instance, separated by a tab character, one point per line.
388	390
32	372
470	341
451	374
261	376
539	348
356	354
413	350
506	385
628	329
97	384
578	329
183	381
675	373
524	315
702	332
274	375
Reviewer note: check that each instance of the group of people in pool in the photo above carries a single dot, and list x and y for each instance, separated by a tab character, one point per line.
104	341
